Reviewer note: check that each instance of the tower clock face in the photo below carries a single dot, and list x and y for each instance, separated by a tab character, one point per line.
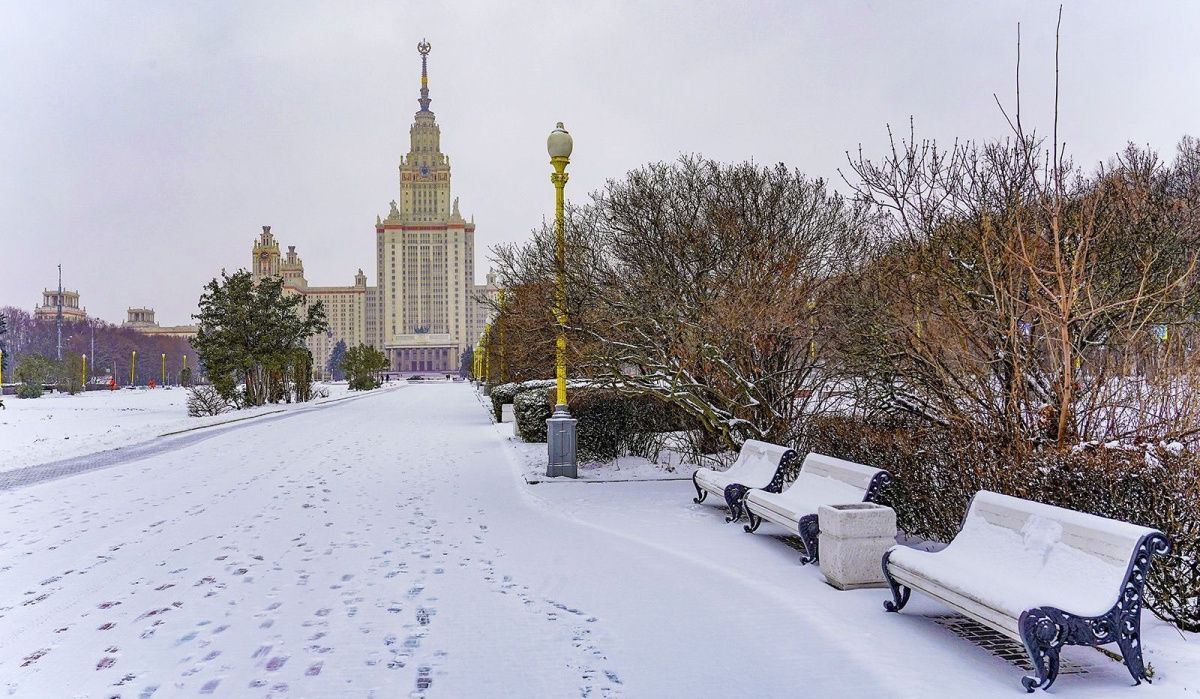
424	171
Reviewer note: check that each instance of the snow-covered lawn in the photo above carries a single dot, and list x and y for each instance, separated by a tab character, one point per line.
389	545
59	425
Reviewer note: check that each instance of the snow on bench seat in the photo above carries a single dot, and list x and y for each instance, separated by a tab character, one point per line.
802	497
1043	575
758	465
823	480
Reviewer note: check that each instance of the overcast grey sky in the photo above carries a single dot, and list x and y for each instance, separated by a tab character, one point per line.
144	144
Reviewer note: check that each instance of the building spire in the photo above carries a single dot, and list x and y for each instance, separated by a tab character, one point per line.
423	48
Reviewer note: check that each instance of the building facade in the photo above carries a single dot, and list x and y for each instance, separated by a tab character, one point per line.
142	320
71	310
425	309
345	306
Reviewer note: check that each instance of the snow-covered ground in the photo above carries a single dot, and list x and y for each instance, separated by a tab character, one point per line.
59	425
388	545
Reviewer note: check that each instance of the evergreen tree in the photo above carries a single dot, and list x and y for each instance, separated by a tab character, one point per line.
466	362
251	339
361	364
335	361
35	371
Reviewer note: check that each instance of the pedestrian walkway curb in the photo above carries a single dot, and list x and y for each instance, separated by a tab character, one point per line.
605	480
218	424
313	406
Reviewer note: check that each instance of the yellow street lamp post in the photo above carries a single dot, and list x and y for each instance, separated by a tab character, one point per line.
133	369
560	428
83	374
500	323
479	361
487	365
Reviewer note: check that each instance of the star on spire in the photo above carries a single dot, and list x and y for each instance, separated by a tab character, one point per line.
424	48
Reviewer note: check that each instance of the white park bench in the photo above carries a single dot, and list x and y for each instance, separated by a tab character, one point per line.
823	480
758	465
1042	575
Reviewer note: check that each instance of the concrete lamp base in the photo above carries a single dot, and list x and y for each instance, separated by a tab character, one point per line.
560	444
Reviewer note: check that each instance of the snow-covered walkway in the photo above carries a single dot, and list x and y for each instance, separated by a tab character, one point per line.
386	546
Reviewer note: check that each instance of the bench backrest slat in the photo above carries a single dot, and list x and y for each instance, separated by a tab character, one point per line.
847	472
757	461
1107	539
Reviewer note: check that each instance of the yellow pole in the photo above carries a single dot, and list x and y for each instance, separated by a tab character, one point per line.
559	178
812	330
487	368
83	374
500	322
164	369
133	369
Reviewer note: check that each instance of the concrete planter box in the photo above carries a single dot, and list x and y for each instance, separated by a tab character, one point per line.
854	538
506	413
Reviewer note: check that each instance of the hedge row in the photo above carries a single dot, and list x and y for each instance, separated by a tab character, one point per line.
937	473
610	425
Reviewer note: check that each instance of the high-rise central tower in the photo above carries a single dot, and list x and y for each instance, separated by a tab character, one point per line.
425	252
425	308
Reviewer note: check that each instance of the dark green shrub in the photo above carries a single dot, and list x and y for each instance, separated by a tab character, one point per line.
361	365
611	424
531	410
29	390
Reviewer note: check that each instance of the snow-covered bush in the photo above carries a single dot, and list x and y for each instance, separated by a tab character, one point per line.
937	471
206	400
531	410
504	393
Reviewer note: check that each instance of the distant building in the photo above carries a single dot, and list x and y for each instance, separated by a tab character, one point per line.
139	318
483	296
142	320
71	309
345	306
425	307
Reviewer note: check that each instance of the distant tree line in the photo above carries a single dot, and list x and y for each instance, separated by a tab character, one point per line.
114	345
